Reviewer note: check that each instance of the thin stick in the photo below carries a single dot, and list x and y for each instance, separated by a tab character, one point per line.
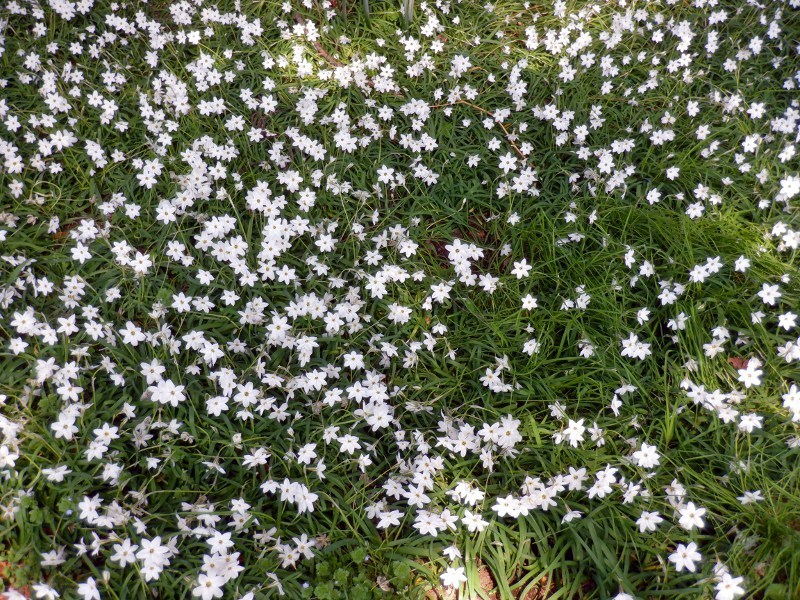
491	114
317	46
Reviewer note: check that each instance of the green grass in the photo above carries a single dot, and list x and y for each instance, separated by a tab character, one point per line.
182	469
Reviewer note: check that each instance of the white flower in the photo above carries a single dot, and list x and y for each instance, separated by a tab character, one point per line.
154	554
646	457
452	552
474	521
751	375
742	264
574	432
648	521
399	314
529	302
390	518
57	474
208	587
769	294
7	457
790	186
65	426
521	269
750	422
124	553
571	516
508	162
691	516
453	577
132	335
167	392
45	592
728	587
531	347
88	590
684	557
633	348
750	497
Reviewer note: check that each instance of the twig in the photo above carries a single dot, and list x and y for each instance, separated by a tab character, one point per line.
317	46
491	114
330	59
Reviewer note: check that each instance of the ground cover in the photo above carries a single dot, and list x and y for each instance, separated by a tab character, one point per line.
357	300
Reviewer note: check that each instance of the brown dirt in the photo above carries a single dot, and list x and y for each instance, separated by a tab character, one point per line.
542	590
6	576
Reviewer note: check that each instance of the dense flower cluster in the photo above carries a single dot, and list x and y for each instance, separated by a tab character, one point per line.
260	278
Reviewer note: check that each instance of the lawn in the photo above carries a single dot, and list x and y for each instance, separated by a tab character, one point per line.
383	299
